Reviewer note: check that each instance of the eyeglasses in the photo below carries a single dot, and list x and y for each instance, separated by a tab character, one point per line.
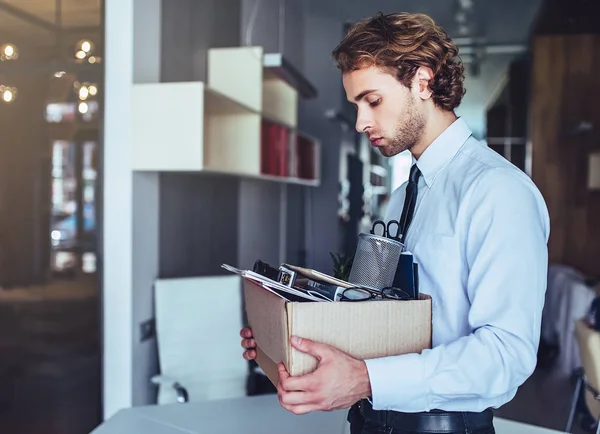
360	293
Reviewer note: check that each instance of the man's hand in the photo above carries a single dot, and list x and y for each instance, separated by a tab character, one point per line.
248	343
338	381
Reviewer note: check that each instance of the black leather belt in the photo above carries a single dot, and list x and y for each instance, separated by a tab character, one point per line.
436	421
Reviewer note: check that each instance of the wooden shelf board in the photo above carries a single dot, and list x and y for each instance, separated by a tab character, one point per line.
291	180
219	104
271	178
274	178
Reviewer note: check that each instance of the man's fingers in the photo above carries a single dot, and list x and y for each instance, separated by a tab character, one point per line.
249	355
313	348
283	376
303	383
301	408
283	373
248	343
246	332
297	398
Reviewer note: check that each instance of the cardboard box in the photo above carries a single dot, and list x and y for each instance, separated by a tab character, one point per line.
362	329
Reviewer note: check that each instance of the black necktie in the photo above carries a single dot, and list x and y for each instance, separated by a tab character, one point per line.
409	201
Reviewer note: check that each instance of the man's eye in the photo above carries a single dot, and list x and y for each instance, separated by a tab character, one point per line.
375	103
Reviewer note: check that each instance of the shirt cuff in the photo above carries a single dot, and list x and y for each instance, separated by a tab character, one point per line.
398	383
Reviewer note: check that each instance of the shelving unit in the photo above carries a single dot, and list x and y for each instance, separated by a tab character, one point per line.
242	122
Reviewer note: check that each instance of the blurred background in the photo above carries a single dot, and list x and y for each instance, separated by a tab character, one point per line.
92	216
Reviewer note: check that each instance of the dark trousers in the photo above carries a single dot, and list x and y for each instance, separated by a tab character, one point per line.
364	420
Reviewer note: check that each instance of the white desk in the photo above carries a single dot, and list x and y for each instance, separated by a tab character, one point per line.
252	415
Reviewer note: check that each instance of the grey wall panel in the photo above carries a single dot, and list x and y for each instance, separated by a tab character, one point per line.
198	224
259	210
145	205
293	34
296	233
145	253
214	24
264	29
189	29
321	36
176	41
278	27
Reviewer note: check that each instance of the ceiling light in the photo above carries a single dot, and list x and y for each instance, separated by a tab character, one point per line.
8	52
83	93
8	94
93	90
85	45
83	108
80	54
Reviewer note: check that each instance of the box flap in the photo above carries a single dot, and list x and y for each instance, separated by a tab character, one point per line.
362	329
267	318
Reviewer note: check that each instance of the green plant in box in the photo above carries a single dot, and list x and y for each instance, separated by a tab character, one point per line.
342	264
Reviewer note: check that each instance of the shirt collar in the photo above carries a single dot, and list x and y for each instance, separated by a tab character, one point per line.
442	150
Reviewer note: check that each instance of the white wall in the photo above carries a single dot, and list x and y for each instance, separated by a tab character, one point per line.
116	252
130	209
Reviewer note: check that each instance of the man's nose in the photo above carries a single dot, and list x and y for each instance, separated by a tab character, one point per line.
363	122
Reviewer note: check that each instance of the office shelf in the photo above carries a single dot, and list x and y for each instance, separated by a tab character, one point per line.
240	73
225	125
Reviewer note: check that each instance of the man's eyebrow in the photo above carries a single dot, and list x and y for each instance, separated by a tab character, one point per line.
363	94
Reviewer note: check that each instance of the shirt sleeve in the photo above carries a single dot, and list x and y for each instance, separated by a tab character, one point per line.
504	234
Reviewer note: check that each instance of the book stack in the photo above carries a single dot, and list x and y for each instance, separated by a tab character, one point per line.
275	140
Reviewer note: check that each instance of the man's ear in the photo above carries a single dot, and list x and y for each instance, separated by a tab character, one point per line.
421	82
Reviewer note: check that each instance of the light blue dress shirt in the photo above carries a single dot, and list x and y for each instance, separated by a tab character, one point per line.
479	233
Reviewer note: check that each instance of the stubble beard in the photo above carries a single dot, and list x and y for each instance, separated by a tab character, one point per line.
408	132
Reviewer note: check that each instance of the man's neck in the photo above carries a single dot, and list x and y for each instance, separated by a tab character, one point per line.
438	122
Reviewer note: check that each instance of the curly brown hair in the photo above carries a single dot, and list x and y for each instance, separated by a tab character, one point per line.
401	43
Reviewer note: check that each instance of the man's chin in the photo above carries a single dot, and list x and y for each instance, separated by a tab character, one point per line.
388	152
392	151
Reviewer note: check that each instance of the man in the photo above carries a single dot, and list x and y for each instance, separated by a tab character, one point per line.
479	231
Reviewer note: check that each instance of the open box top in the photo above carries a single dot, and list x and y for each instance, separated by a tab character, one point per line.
362	329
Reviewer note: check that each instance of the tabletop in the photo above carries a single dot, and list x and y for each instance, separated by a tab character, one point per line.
249	415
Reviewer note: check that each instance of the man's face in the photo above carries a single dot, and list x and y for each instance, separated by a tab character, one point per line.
387	111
